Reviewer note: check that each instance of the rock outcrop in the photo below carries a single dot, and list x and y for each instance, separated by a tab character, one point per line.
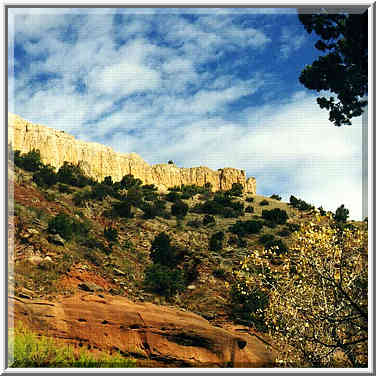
142	330
99	161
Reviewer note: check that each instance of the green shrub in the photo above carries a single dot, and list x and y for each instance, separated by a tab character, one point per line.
30	161
80	197
210	207
92	243
64	188
100	191
276	197
276	215
216	241
192	190
45	177
322	211
222	198
17	158
219	273
179	209
264	203
284	232
151	196
129	181
176	188
293	227
208	219
111	234
123	209
249	209
108	181
194	223
242	228
230	213
300	204
270	224
80	228
191	269
49	196
152	210
172	196
164	281
72	174
135	195
149	188
61	224
267	238
236	189
341	214
237	206
150	192
279	245
237	241
162	252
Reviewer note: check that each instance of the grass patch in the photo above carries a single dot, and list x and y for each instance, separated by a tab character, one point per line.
28	350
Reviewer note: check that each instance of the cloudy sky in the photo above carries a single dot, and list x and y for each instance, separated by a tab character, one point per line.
212	87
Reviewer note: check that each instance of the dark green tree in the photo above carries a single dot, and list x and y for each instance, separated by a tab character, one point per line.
344	69
108	181
179	209
341	214
45	177
236	189
123	209
129	181
72	174
62	225
163	280
216	241
162	252
30	161
111	234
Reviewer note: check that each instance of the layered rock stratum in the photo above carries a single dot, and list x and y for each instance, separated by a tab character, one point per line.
99	161
143	330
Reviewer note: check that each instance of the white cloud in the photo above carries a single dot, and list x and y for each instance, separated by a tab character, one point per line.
123	79
290	42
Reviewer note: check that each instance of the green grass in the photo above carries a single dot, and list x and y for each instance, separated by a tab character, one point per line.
27	350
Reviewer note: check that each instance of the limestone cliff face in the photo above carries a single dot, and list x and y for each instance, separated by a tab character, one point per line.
99	161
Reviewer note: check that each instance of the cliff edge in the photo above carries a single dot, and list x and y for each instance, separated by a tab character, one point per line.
99	161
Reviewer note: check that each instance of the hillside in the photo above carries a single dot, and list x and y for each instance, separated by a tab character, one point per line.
81	278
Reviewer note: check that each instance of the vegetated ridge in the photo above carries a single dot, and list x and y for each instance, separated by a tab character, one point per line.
99	161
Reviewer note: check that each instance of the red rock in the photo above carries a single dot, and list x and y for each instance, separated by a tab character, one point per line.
144	330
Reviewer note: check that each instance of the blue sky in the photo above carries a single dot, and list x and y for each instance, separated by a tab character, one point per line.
213	87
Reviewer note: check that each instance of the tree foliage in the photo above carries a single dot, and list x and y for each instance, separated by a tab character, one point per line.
341	214
317	312
344	69
45	177
163	252
30	161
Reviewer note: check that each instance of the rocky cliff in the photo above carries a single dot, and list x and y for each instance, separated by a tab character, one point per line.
99	161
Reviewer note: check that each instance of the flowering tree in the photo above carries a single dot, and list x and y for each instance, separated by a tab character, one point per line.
317	312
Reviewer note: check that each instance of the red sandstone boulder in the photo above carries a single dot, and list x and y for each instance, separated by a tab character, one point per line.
143	330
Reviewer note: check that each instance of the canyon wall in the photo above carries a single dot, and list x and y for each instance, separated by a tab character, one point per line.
99	161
